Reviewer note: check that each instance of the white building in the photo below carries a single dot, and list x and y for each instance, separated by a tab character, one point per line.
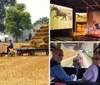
22	39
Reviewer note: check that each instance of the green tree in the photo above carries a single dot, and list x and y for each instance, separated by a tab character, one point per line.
3	5
17	20
43	20
20	6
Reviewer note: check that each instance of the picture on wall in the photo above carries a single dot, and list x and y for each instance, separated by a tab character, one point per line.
60	17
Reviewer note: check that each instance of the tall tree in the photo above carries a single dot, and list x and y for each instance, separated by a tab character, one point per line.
17	20
43	20
20	6
3	5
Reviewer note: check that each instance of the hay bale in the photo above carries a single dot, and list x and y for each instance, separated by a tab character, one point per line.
33	43
40	39
3	48
41	34
43	30
46	26
32	38
46	39
43	46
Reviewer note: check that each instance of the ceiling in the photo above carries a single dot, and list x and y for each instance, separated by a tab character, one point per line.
79	4
74	46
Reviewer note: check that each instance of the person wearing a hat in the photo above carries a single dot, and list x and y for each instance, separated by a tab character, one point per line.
56	70
93	72
9	46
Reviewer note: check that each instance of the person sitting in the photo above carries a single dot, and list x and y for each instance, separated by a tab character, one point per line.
56	70
9	46
93	72
97	26
93	25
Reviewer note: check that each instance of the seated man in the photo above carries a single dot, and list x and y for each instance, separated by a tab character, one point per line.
9	46
97	26
56	70
93	25
93	72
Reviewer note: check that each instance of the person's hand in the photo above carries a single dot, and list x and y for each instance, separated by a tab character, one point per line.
75	77
51	78
79	79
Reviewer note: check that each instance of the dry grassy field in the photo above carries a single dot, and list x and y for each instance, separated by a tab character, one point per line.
24	70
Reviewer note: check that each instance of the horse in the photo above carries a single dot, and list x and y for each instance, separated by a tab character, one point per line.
60	13
79	16
78	61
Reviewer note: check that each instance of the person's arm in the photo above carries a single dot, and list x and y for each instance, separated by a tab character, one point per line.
91	72
60	74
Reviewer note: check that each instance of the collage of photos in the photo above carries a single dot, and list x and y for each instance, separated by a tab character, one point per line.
74	63
75	22
49	42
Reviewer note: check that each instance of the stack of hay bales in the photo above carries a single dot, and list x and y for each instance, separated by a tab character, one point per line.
41	38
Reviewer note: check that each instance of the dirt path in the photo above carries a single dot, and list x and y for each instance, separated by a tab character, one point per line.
86	62
24	70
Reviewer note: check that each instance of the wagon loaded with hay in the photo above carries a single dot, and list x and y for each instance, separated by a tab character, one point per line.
40	40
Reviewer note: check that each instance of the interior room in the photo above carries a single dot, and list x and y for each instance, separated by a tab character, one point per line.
75	22
77	58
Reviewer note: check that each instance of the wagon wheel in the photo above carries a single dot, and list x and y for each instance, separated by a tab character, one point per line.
47	53
31	53
1	54
11	54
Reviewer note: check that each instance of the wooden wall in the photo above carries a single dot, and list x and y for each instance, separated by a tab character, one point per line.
93	15
96	16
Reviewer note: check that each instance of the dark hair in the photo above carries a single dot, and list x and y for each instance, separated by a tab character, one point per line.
57	49
94	21
96	54
10	40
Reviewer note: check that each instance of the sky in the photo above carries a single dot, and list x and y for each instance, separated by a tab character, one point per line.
37	8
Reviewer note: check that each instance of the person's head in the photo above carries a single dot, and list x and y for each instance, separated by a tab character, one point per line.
94	22
96	58
10	41
58	55
78	54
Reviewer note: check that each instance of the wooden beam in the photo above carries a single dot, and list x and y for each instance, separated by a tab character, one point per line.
87	4
81	7
96	3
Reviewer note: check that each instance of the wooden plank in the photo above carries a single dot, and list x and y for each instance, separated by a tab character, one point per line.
21	51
